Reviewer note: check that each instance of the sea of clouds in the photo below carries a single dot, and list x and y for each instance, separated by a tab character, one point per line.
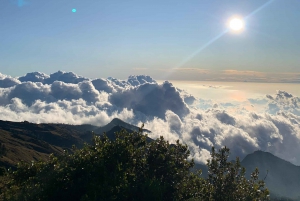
65	97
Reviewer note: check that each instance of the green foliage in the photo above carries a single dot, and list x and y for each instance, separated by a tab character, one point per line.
227	181
130	168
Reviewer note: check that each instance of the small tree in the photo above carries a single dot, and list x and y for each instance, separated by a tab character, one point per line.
227	181
128	168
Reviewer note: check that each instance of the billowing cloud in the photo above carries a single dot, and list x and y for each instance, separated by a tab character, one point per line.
151	99
140	79
242	133
7	81
166	110
103	85
284	101
28	92
34	77
63	111
67	77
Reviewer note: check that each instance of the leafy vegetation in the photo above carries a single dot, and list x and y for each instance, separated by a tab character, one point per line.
227	180
131	168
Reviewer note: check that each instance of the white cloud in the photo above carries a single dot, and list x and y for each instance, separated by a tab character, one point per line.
28	92
174	121
165	110
34	77
7	81
283	101
63	111
103	85
140	79
151	99
67	77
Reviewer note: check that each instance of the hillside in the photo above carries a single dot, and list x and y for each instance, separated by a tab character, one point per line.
27	141
118	122
281	177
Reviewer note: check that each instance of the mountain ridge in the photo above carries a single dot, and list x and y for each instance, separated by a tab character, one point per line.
281	176
28	141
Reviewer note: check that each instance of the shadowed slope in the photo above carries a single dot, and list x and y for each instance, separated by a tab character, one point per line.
24	141
281	177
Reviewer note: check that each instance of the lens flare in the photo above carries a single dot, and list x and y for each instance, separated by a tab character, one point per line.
236	24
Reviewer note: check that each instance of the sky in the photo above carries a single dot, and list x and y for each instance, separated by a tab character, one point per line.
209	98
168	40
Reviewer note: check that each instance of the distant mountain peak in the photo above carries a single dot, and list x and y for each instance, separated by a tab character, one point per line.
281	176
117	121
263	155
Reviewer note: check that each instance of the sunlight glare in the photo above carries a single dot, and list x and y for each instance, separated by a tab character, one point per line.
236	24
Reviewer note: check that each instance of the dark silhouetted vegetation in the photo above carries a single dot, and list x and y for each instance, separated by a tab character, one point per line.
131	168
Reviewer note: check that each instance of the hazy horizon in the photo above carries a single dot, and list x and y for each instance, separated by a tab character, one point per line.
243	116
239	60
208	73
189	40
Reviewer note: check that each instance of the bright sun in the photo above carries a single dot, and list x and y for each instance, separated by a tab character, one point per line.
236	24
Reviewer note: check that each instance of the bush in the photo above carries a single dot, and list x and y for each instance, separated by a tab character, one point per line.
227	181
130	168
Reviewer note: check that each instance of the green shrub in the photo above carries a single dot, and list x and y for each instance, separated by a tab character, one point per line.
130	168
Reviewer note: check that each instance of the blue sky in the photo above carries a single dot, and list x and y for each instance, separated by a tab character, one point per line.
119	38
166	39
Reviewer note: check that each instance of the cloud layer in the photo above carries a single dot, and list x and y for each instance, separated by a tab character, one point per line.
65	97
